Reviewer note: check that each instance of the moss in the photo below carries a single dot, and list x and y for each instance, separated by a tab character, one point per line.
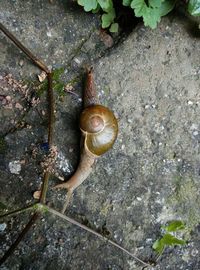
107	90
58	83
185	201
2	206
3	145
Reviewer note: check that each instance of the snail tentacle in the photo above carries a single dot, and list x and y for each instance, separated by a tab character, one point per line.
90	94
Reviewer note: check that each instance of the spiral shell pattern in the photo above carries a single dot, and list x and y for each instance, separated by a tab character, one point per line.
99	127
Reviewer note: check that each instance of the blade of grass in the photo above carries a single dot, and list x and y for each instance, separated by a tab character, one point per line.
74	222
19	238
18	211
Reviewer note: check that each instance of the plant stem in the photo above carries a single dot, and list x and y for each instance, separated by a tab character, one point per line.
51	108
74	222
50	134
44	187
20	237
18	211
36	60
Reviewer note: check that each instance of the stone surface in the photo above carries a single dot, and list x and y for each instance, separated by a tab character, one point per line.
151	81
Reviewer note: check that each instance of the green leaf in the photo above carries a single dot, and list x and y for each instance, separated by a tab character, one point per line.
88	4
96	9
108	18
158	246
151	13
106	5
139	7
171	240
174	226
114	28
194	7
126	3
166	7
151	17
155	3
167	240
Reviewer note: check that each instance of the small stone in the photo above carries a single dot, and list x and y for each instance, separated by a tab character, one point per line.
190	102
195	133
68	87
71	150
194	252
3	227
8	98
123	146
15	166
194	127
49	34
42	76
21	63
36	194
18	106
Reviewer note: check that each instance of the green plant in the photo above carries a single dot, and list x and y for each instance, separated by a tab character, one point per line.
150	10
168	239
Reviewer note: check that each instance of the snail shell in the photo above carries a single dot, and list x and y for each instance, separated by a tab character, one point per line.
99	127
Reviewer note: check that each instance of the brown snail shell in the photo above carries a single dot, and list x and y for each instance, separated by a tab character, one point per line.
99	127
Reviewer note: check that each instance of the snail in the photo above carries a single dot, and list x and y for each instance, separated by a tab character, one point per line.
99	129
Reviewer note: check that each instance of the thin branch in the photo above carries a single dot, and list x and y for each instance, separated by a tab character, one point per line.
74	222
35	60
19	238
44	189
51	109
67	201
50	134
18	211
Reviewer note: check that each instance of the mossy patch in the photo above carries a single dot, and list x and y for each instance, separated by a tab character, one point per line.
185	201
3	145
58	83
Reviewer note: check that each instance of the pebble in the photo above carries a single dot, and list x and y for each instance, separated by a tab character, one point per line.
49	34
195	133
123	146
3	227
18	106
15	166
21	63
190	102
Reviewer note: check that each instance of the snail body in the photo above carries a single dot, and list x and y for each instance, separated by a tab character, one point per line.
99	129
